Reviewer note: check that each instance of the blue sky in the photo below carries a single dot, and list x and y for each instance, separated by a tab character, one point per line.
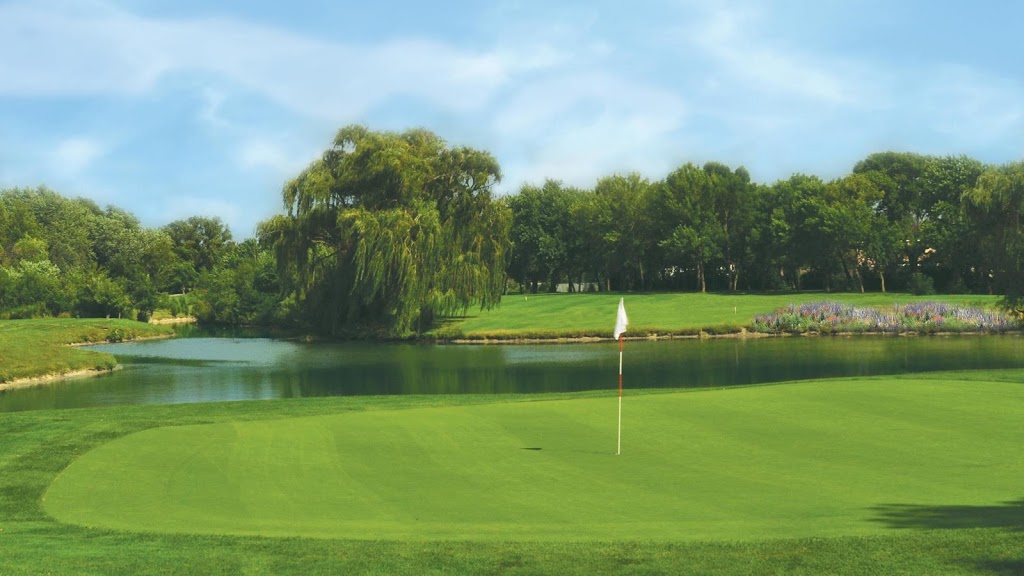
176	108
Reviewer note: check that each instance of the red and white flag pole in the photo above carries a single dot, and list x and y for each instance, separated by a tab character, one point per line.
620	329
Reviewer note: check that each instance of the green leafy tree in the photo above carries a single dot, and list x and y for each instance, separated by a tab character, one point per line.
528	228
138	257
243	288
733	212
4	226
848	220
621	230
997	204
159	261
905	197
692	235
884	248
29	249
387	231
545	233
63	223
792	238
199	241
100	296
772	265
35	289
115	241
951	238
18	219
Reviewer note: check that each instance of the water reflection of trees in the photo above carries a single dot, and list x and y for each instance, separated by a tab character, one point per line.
194	370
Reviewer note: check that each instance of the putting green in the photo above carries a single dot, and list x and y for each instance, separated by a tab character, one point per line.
804	459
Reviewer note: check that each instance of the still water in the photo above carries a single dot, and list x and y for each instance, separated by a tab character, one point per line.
206	369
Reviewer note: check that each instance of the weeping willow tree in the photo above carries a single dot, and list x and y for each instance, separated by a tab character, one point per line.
386	232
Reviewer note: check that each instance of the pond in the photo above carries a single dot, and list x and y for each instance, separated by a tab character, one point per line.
204	369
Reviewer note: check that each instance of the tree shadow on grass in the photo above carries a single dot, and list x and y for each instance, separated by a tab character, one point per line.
1008	516
910	516
1002	567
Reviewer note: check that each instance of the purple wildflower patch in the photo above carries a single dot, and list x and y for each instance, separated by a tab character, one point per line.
922	317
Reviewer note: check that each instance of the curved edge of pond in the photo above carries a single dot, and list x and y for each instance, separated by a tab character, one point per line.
30	381
701	335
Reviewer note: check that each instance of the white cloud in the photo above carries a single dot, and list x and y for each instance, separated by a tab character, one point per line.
85	48
97	49
264	154
579	127
729	36
213	101
533	57
973	106
74	155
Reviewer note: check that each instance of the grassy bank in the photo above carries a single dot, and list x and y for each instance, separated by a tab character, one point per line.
903	476
41	347
593	314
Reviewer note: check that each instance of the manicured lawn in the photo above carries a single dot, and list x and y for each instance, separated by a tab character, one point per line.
594	313
858	476
797	460
40	346
812	459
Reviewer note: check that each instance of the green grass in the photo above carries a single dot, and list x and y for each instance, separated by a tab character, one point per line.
801	460
593	314
916	475
39	347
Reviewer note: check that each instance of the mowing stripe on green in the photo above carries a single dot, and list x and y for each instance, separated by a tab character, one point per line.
805	459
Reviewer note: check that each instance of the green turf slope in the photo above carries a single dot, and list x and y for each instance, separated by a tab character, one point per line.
538	314
838	457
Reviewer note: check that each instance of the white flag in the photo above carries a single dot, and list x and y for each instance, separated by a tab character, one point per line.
620	319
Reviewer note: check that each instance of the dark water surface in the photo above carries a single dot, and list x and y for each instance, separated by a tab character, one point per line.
222	369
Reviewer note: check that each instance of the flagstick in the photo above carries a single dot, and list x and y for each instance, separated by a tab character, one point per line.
620	333
618	447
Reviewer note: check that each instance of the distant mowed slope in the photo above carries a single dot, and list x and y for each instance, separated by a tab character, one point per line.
838	457
595	312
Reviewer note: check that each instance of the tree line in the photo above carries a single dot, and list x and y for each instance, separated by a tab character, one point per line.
389	232
898	221
68	257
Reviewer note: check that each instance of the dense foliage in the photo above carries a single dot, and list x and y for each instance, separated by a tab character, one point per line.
899	221
388	231
67	257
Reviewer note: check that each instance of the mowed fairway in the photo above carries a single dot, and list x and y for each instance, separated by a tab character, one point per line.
823	458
